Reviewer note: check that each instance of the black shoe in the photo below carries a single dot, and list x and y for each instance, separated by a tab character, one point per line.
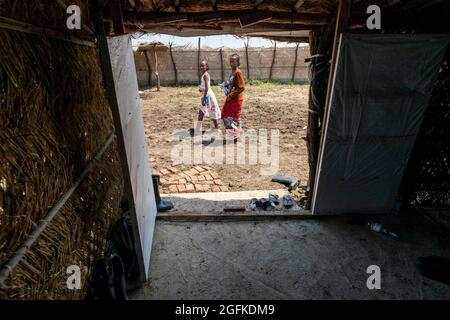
436	268
288	181
119	282
100	286
161	205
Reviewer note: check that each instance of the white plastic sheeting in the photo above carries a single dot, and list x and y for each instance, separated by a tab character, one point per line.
380	91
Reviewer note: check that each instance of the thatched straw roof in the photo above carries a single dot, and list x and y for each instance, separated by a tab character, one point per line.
286	20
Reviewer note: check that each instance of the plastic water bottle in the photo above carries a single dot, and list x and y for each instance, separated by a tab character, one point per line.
377	227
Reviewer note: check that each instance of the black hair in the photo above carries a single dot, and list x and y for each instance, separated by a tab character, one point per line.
236	57
206	63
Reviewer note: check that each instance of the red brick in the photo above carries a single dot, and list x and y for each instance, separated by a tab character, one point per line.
173	188
215	189
198	188
176	177
173	170
208	177
201	178
207	168
183	175
218	182
208	182
214	175
182	181
194	178
191	172
181	187
199	169
223	188
165	171
190	188
206	187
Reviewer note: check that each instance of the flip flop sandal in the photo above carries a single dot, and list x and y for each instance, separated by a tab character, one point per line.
268	205
274	198
256	204
288	202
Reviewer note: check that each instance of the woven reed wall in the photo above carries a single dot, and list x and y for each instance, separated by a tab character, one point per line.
54	117
260	60
427	179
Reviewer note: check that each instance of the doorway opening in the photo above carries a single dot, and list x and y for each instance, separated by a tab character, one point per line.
274	119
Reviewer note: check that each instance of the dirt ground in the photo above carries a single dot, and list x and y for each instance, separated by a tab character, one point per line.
266	106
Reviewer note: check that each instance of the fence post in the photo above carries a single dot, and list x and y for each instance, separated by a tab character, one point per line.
222	73
149	68
198	60
158	81
246	56
174	65
295	62
273	60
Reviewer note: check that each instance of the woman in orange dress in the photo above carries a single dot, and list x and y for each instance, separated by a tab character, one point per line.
231	111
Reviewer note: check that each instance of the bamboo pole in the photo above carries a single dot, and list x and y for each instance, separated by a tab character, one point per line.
273	60
175	71
9	266
295	62
10	24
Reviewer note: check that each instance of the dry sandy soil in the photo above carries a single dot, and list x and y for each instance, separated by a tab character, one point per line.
266	106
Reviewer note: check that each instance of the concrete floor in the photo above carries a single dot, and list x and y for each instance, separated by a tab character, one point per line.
293	259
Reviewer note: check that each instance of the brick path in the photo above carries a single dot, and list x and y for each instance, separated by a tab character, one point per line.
196	179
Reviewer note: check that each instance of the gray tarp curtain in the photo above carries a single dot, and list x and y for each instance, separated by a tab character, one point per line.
380	91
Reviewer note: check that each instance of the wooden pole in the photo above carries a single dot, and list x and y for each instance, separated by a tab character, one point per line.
246	56
312	134
115	11
273	60
342	22
295	62
198	60
149	68
158	80
222	72
175	71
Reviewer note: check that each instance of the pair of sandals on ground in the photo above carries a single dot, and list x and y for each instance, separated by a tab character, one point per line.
271	203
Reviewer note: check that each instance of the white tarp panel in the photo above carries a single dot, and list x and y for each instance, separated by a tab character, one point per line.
380	91
132	127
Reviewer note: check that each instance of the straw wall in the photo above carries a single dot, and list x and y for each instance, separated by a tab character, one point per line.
54	117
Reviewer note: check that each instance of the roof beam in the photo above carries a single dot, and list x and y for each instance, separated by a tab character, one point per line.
258	3
298	4
254	18
249	17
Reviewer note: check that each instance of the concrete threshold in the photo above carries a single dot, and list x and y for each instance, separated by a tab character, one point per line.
218	206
